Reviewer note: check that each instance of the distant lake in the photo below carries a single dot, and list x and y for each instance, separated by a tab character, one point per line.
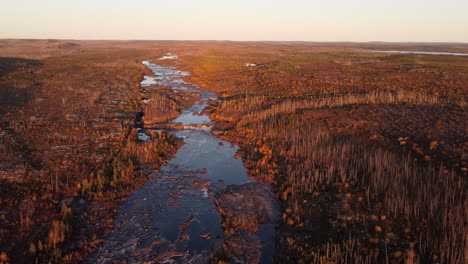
420	52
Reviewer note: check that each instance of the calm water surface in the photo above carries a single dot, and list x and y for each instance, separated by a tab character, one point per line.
420	52
163	221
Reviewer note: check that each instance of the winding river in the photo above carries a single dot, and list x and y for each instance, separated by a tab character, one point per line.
174	217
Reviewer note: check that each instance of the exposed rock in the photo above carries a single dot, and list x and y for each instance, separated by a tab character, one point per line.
245	206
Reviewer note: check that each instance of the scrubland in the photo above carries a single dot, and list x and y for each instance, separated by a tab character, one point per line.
366	151
69	148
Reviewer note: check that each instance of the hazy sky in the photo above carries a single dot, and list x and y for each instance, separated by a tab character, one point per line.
309	20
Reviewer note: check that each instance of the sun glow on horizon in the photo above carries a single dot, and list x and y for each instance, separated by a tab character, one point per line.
297	20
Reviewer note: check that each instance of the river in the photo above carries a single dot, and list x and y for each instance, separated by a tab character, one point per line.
174	217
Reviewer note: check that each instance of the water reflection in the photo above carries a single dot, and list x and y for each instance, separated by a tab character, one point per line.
420	52
173	218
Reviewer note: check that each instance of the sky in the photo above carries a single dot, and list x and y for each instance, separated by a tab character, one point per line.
242	20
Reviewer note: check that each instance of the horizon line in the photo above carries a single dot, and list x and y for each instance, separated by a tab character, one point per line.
227	40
